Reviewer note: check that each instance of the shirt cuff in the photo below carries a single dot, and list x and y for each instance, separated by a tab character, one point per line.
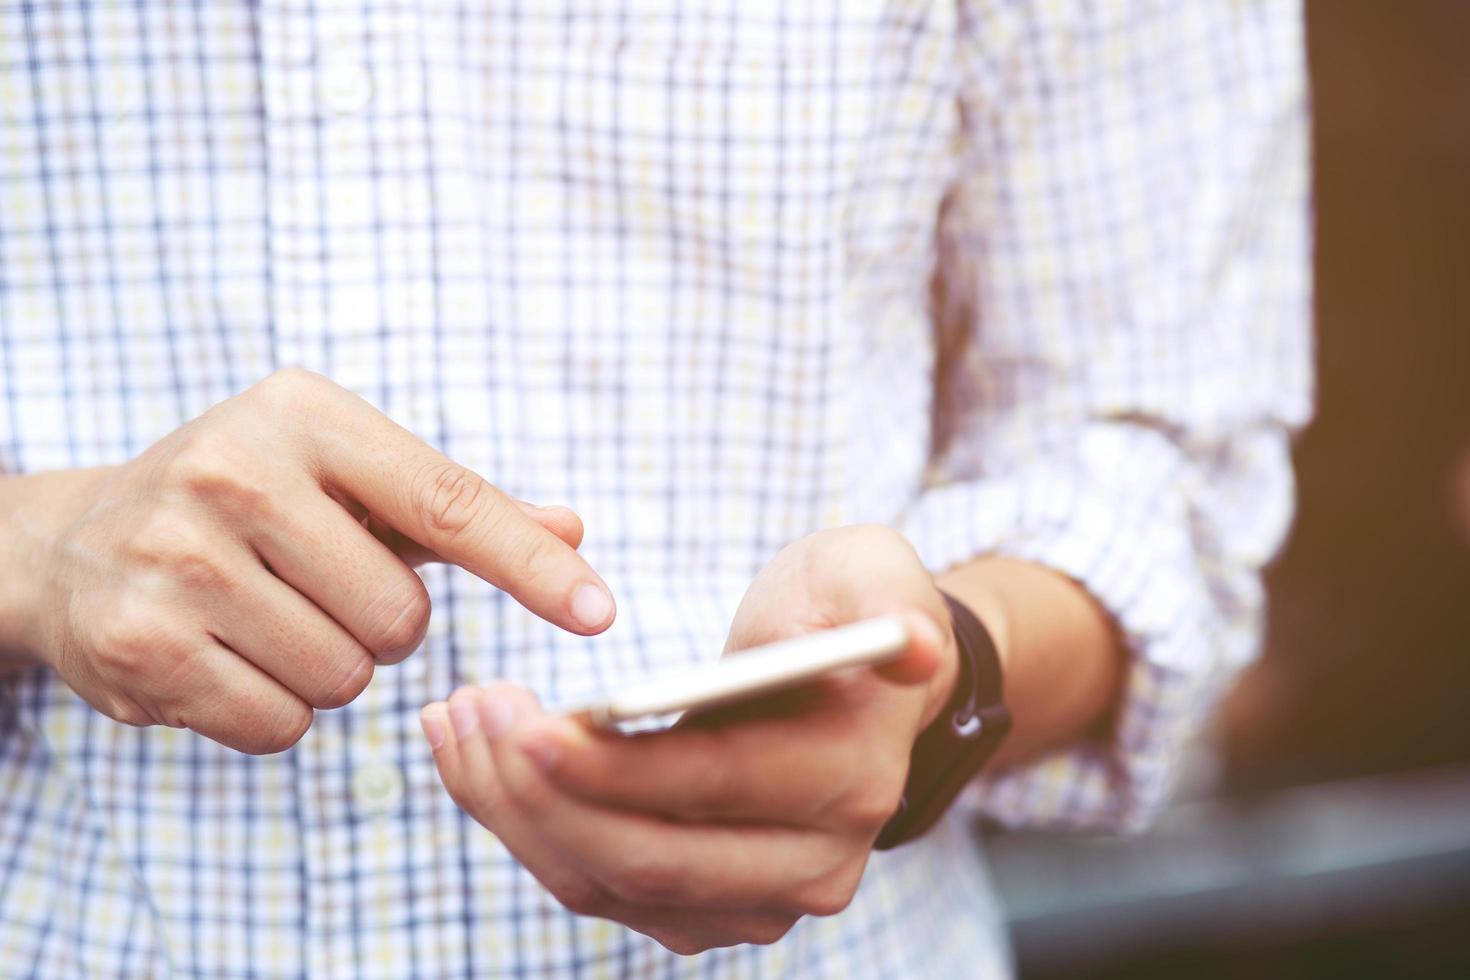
1136	522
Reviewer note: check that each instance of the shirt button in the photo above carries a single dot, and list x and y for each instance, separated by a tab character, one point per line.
376	788
345	87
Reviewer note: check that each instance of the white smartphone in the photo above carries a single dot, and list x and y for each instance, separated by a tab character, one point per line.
750	674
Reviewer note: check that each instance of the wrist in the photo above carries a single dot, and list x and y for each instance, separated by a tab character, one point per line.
956	744
35	511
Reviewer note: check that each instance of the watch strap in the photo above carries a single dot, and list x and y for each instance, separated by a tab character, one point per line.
957	744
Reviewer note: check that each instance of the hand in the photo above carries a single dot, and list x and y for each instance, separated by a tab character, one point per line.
255	564
730	827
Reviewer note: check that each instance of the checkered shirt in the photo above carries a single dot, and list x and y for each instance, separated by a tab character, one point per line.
1016	277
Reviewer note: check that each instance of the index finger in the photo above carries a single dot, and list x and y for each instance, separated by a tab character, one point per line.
460	516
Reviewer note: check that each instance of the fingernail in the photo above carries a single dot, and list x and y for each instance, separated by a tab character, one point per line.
497	713
591	605
542	749
463	716
432	718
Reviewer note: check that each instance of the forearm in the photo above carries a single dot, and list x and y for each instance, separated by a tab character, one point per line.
1060	655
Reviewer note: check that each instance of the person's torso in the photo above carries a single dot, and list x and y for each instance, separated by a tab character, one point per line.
664	262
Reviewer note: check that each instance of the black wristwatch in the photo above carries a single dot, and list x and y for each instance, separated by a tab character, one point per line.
956	744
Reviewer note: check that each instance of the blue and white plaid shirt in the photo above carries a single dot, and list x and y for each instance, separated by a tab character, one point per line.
674	263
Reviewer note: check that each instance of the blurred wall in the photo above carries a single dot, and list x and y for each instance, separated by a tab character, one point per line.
1367	668
1368	656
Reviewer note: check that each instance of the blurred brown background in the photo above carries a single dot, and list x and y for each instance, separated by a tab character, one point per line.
1327	831
1368	662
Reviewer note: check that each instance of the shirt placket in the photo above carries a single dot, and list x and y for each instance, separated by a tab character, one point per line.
352	296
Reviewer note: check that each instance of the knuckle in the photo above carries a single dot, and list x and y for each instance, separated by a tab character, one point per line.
766	933
346	683
129	712
131	638
164	540
289	723
209	464
578	895
263	743
399	619
172	715
647	879
680	943
291	387
867	538
198	573
122	654
181	552
135	718
827	897
450	497
833	892
222	477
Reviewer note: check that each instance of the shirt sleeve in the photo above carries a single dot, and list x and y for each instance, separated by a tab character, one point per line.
1124	312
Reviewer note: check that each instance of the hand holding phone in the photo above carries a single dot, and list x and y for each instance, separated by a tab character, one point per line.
713	834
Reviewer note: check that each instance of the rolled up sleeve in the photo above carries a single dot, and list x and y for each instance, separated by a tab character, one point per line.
1126	297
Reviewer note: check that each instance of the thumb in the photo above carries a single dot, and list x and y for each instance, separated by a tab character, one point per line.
925	652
